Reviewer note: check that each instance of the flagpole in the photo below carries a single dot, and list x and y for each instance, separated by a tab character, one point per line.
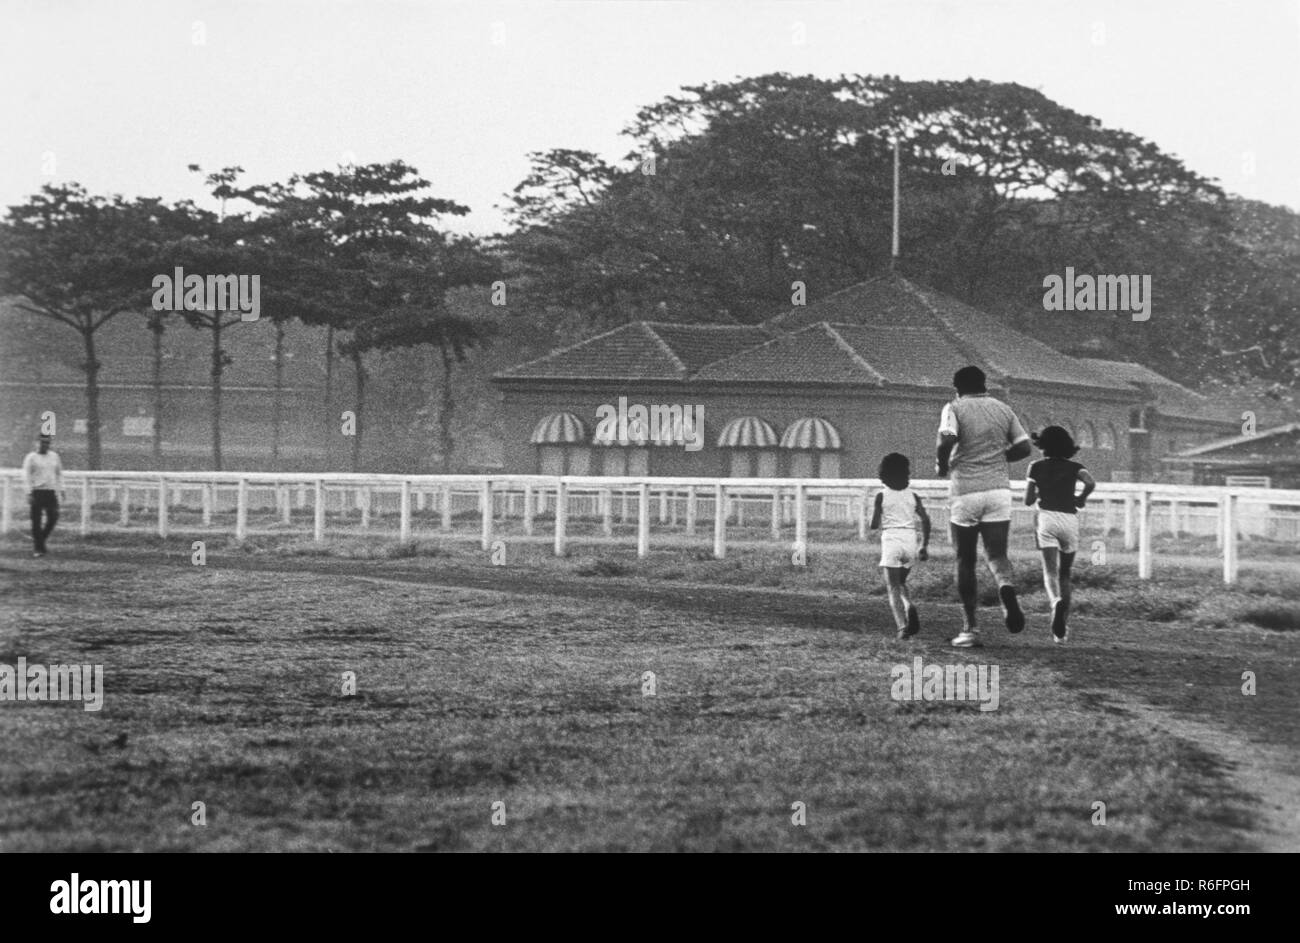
893	258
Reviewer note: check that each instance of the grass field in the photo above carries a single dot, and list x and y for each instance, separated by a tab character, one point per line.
523	684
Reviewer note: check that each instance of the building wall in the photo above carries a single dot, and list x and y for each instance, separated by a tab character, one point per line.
871	424
185	423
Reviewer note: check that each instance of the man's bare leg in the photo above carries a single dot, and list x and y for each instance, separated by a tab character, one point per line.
965	541
994	535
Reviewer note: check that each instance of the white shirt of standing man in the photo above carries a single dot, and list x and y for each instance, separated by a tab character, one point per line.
42	469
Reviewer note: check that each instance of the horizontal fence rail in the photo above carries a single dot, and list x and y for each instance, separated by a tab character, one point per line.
602	509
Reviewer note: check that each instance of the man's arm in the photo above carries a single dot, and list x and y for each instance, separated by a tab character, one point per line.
925	528
947	442
1089	483
27	473
875	514
1031	493
1019	439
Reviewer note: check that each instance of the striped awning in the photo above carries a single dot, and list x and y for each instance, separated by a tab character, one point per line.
607	434
559	429
813	434
748	432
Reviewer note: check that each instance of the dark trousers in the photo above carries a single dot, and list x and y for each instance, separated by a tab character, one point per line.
47	502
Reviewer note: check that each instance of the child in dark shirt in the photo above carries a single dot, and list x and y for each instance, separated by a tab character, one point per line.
1050	486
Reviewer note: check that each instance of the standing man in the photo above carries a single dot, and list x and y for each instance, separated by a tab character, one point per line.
43	474
978	436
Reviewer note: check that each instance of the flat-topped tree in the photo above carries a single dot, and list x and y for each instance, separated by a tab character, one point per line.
81	260
373	229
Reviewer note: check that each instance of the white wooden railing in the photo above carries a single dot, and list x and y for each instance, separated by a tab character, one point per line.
1222	513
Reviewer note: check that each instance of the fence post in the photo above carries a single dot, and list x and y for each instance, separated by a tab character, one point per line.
485	498
776	513
363	499
318	510
673	509
561	516
286	504
209	492
87	499
446	507
1144	535
643	520
404	512
800	515
125	517
162	507
690	511
1130	537
528	510
607	512
6	508
862	517
241	510
719	522
1229	538
663	506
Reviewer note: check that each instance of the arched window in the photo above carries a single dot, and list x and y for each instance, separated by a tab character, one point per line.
561	441
1086	437
630	458
1106	436
813	446
751	445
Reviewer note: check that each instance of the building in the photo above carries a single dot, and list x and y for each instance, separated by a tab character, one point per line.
1269	457
1174	418
823	390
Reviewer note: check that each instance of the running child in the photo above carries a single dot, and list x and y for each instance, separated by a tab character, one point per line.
1050	486
897	507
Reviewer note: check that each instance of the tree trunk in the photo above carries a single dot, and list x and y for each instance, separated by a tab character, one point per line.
156	326
330	417
91	368
359	408
217	368
277	403
445	443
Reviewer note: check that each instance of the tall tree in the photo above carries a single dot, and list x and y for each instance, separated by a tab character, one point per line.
80	260
375	229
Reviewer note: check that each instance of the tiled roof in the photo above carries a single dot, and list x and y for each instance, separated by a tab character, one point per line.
913	356
641	350
1233	441
1172	399
698	344
816	354
891	301
887	330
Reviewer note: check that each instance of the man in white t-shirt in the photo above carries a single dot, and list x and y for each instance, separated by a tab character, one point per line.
43	476
978	436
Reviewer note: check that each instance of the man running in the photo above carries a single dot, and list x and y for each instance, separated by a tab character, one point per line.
43	475
978	436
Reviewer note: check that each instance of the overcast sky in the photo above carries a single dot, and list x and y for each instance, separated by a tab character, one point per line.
122	96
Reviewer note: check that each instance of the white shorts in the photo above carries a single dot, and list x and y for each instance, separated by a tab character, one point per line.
1058	529
980	507
898	546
